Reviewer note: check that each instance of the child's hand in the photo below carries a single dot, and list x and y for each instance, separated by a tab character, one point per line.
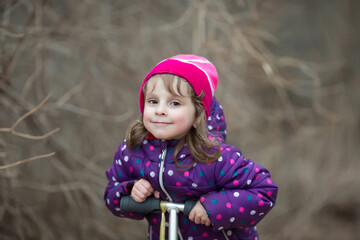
143	189
199	216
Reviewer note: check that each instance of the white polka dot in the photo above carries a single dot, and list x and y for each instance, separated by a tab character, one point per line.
209	118
117	194
252	212
190	238
249	182
123	148
170	172
220	228
126	158
261	214
152	174
271	204
117	209
194	185
113	178
236	194
220	159
182	156
232	219
229	233
238	154
145	141
117	183
210	127
218	118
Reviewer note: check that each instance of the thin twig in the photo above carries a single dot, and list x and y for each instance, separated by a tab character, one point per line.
24	135
26	160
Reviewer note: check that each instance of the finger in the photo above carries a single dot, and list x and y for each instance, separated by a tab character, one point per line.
197	220
156	194
137	195
145	187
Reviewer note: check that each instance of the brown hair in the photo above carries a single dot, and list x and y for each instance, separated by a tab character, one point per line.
201	148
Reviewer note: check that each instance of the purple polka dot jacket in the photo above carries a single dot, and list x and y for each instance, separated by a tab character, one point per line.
235	191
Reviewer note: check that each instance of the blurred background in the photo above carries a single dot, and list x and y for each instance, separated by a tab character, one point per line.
288	83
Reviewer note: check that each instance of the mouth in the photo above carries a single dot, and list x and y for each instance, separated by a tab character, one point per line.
161	123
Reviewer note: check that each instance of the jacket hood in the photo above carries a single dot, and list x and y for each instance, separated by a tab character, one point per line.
216	122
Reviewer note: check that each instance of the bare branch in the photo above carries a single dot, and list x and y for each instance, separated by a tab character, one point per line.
26	160
12	128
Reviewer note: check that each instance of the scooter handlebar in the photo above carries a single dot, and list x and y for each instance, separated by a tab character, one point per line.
127	204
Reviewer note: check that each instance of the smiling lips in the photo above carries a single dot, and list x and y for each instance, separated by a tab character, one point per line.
160	123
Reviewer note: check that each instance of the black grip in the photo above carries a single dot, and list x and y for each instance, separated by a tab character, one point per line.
188	207
127	204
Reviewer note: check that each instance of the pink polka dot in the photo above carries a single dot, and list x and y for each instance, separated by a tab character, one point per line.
227	149
228	205
210	138
117	150
241	209
269	181
186	174
235	182
260	195
219	138
148	163
232	161
269	193
178	184
189	193
154	220
257	170
221	149
131	214
218	217
261	203
205	234
151	148
253	222
202	199
131	169
256	176
246	229
116	201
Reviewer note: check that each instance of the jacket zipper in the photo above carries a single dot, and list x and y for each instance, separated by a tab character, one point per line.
163	155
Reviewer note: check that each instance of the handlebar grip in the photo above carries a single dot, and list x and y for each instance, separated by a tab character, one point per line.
127	204
188	207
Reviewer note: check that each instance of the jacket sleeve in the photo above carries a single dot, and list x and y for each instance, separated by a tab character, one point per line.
246	192
120	183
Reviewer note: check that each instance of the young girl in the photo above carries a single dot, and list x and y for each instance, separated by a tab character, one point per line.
177	152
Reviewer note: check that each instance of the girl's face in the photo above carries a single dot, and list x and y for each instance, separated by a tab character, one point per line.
168	115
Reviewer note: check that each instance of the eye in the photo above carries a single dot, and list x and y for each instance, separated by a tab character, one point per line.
175	103
152	101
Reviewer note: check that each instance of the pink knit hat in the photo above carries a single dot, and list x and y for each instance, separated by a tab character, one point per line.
198	71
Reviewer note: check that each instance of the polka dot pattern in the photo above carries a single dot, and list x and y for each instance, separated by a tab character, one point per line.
233	190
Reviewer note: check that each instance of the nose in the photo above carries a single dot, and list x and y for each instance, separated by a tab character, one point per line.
161	110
